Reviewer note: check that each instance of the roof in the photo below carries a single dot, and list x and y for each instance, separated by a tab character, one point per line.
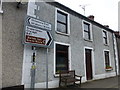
65	8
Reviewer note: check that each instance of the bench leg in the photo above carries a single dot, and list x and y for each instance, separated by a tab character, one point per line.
74	84
59	84
80	82
65	84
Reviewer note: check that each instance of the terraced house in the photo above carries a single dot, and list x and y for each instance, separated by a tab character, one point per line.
78	43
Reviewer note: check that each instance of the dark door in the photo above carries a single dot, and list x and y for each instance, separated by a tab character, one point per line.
88	55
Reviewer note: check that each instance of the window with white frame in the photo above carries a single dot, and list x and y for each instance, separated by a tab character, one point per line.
1	6
105	39
62	22
87	31
107	58
61	58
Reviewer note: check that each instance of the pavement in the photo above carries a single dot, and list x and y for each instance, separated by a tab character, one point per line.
112	82
108	83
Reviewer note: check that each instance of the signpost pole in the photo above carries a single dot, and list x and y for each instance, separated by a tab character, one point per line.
33	68
38	33
47	69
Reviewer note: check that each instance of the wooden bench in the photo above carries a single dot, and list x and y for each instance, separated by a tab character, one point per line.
69	77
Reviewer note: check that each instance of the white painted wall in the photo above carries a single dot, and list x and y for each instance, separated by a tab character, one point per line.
26	78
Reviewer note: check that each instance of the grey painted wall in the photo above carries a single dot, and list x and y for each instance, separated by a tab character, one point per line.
77	44
1	50
12	50
12	47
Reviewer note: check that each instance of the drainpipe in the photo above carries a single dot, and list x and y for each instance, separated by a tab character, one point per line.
115	57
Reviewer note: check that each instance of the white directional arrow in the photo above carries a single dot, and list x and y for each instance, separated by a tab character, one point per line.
37	36
39	23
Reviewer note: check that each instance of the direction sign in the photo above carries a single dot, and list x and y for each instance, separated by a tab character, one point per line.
38	23
37	36
38	33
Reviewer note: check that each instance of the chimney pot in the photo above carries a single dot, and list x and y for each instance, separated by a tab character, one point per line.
91	17
107	26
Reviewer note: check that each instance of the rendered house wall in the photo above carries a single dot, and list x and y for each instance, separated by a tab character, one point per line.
16	57
76	42
12	47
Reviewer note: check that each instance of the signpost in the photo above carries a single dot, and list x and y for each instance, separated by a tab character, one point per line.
37	33
37	36
33	69
39	23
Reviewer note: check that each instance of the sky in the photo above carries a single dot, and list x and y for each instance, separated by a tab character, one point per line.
105	11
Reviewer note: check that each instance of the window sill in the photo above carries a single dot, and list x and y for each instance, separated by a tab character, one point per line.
88	40
56	75
110	69
1	11
62	33
106	44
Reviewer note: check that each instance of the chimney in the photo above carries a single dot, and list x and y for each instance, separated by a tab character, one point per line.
107	26
91	17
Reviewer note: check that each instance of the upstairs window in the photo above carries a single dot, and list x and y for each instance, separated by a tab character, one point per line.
87	35
86	31
105	39
62	22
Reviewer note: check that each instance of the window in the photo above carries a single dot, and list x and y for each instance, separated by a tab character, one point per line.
1	6
61	58
107	60
105	40
62	22
87	31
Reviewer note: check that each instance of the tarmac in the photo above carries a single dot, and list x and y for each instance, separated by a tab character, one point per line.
112	83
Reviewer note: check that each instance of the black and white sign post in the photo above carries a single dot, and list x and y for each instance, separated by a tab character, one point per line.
37	34
33	69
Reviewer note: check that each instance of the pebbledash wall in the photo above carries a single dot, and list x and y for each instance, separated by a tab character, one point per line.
1	46
16	57
76	42
12	47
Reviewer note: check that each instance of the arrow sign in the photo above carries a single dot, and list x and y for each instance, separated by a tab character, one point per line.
37	36
39	23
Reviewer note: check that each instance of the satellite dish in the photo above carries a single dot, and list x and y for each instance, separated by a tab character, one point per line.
22	1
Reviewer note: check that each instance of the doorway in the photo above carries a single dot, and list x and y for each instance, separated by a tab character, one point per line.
88	59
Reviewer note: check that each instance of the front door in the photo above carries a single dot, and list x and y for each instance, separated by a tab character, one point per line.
88	58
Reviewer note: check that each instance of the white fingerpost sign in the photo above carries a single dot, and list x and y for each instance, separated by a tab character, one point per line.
37	32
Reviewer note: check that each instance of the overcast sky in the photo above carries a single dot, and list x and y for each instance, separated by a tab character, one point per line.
105	11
